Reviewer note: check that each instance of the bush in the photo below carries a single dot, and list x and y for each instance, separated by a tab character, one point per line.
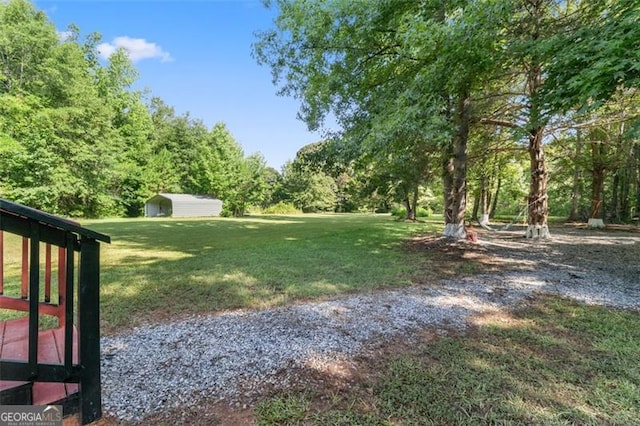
424	212
281	208
401	212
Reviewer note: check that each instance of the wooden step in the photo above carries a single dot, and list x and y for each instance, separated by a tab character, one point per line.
14	345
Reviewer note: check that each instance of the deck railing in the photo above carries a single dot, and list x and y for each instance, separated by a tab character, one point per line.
47	307
36	229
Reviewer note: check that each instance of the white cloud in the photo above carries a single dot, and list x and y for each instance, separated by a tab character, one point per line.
137	49
64	35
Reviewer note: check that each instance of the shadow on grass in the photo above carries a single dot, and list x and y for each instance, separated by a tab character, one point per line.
575	251
555	362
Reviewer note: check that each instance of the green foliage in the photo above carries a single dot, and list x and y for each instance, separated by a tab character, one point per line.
398	76
27	40
401	212
596	58
78	141
410	81
406	81
308	190
282	208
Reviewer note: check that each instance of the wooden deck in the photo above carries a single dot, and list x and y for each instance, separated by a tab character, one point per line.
14	342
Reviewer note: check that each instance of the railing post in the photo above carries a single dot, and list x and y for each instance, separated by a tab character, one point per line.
82	361
89	330
1	259
34	294
65	289
24	288
47	273
63	272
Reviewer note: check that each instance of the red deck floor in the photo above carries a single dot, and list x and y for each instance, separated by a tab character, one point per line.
14	345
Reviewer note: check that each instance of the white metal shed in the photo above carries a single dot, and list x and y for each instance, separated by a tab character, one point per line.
182	205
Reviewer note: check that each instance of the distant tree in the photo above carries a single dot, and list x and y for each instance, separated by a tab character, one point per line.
307	189
60	126
77	139
272	180
252	184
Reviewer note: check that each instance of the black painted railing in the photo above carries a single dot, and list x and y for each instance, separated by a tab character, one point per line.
37	228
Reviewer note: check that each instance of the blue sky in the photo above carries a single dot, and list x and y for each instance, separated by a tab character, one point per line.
196	56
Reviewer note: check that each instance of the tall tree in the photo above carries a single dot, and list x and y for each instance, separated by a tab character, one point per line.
26	41
386	66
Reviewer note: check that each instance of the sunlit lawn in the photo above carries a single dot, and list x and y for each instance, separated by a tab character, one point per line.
158	269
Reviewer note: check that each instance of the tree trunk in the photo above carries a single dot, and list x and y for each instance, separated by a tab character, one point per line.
411	213
476	207
414	202
625	195
614	216
597	196
447	183
538	209
637	179
484	219
456	170
628	178
574	216
597	185
494	199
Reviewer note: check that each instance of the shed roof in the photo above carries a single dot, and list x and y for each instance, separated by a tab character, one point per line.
182	197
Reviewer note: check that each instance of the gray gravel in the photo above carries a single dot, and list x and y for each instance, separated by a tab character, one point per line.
156	367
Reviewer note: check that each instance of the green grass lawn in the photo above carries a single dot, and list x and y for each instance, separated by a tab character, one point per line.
158	269
553	363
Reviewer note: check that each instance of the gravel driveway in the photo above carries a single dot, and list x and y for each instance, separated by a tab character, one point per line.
156	367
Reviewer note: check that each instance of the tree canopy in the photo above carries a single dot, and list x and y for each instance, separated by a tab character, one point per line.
412	83
469	108
76	139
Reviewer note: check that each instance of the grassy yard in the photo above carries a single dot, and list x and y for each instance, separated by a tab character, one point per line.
159	269
553	363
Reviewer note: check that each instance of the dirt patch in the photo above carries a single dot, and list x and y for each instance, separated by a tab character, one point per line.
206	412
614	251
446	258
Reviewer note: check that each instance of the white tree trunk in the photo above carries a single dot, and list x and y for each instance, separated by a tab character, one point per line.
484	219
538	232
596	223
455	230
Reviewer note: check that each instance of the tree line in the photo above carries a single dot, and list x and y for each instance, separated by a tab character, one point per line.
77	139
469	108
468	89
